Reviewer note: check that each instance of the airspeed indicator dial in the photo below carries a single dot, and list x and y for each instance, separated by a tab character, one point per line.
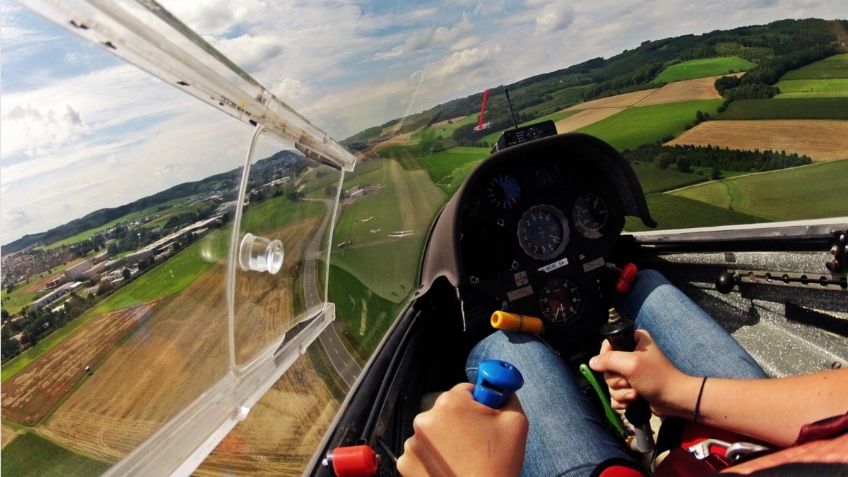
543	232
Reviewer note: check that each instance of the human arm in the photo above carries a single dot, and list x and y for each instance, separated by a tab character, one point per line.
460	436
772	410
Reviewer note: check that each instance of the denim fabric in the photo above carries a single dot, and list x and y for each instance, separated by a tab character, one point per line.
693	341
567	437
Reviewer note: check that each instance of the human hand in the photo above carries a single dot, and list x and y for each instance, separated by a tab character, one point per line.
644	372
460	437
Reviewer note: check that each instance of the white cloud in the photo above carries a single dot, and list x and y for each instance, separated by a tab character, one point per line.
35	131
216	17
425	38
251	51
554	17
290	89
463	61
489	7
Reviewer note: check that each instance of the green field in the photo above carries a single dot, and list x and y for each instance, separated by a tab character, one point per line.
806	192
366	315
449	168
407	200
646	124
702	68
829	68
803	88
803	108
658	180
32	455
171	276
675	212
446	130
15	301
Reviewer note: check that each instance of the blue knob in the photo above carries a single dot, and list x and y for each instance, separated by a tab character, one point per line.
496	381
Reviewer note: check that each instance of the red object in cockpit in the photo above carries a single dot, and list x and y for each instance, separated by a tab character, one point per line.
352	461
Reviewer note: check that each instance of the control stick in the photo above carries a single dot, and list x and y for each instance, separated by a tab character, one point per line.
620	333
496	381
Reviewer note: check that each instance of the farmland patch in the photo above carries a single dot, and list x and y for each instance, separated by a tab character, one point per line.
617	101
792	108
31	455
282	430
676	212
635	126
32	393
806	192
821	140
680	91
701	68
585	118
832	67
818	88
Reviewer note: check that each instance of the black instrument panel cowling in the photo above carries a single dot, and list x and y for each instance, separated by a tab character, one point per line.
545	212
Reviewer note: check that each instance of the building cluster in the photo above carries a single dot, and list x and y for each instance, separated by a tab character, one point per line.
109	274
363	190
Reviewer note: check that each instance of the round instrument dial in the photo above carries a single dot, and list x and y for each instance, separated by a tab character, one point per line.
560	301
543	232
590	214
503	191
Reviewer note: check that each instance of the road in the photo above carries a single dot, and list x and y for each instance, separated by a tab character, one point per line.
341	359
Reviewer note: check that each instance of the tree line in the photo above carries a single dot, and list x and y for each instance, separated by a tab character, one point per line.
684	157
758	83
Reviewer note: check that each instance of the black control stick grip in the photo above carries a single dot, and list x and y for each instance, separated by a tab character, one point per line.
621	335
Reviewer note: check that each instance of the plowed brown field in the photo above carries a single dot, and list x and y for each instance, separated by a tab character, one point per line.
282	430
32	393
176	355
679	91
618	101
584	118
822	140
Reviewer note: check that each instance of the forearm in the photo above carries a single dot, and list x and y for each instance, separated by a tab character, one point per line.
771	410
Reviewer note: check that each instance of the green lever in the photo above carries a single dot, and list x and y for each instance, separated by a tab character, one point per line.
612	417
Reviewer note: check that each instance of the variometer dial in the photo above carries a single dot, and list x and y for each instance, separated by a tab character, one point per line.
560	301
503	191
543	232
590	214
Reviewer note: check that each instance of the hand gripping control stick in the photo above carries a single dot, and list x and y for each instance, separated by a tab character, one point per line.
496	381
620	333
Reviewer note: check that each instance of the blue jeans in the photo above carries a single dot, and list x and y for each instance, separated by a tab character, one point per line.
567	437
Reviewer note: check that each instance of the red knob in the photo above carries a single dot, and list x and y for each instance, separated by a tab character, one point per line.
626	278
353	461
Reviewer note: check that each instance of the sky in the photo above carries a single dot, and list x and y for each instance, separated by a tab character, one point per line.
80	130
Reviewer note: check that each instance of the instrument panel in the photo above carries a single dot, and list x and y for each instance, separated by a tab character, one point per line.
534	235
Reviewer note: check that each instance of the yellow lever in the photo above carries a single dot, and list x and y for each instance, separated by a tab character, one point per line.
502	320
